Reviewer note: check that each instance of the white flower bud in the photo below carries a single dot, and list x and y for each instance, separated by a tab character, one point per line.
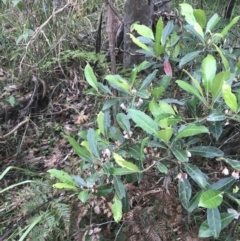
226	112
140	101
225	171
179	176
189	154
133	91
123	106
235	174
226	123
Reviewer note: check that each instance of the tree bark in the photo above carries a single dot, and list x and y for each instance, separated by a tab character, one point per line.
135	10
141	11
228	8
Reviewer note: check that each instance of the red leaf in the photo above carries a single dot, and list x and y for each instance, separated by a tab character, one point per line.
167	67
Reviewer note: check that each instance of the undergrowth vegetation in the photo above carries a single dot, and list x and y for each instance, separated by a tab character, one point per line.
155	149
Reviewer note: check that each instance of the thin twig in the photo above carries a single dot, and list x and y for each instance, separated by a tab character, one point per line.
15	128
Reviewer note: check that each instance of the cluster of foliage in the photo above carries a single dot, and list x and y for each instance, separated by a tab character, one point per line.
146	120
140	116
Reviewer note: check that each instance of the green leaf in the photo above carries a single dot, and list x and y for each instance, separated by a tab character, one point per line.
92	179
196	32
159	29
162	168
92	142
224	60
212	22
117	80
173	120
165	134
226	218
123	163
142	149
173	42
229	98
233	198
119	187
216	129
184	192
156	92
204	231
116	209
206	151
181	155
139	43
144	121
223	184
105	89
167	31
122	171
108	104
125	203
143	30
62	176
165	81
235	164
191	130
190	89
107	124
195	82
144	94
199	30
80	181
188	57
217	84
123	121
195	173
154	108
86	145
83	196
100	121
163	122
147	81
228	27
134	151
158	49
136	70
209	67
166	108
104	190
116	134
200	17
211	199
216	117
61	185
90	77
214	221
15	185
12	101
193	204
19	169
34	222
187	12
79	150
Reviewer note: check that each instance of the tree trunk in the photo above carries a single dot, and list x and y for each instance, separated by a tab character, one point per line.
135	10
228	8
143	12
